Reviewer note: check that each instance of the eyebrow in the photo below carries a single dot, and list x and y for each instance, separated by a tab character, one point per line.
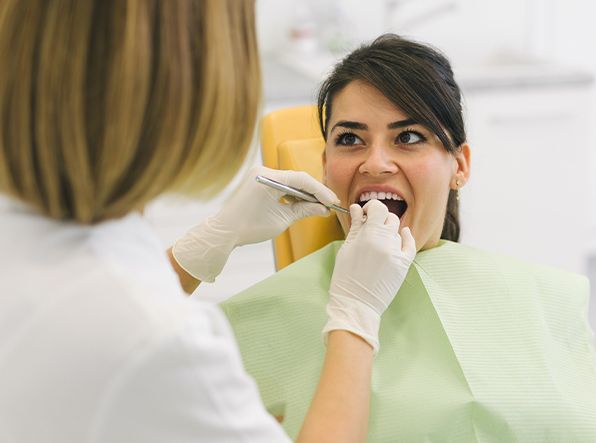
364	127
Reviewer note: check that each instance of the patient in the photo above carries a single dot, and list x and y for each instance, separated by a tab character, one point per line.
476	347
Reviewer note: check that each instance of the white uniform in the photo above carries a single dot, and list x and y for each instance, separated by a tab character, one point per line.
98	343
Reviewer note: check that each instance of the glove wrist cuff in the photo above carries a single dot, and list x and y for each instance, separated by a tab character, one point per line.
352	315
204	250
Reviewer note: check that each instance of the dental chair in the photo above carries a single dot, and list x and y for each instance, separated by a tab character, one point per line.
291	139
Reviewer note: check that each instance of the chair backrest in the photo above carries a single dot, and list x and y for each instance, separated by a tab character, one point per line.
290	139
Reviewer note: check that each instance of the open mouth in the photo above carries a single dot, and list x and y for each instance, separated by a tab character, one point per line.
394	203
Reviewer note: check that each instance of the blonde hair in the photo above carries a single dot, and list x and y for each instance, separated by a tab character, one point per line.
105	104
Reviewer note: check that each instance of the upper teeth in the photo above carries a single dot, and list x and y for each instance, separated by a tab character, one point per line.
366	196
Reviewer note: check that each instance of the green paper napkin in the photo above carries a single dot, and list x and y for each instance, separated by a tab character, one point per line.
475	348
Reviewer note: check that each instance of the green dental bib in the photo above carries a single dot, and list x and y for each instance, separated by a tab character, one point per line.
475	348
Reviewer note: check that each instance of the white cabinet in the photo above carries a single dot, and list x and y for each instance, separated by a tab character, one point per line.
531	191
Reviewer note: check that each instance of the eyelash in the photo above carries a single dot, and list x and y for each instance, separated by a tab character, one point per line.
412	131
339	138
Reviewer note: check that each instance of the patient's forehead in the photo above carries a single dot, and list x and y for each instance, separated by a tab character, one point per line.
360	101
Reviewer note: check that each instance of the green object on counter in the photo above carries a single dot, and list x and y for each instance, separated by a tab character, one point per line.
476	347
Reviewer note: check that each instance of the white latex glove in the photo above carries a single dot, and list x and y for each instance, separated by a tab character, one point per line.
369	269
253	214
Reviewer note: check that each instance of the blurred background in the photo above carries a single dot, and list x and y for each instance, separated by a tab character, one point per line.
526	69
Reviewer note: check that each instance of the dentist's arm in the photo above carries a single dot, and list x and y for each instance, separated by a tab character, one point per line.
369	269
188	282
253	214
340	407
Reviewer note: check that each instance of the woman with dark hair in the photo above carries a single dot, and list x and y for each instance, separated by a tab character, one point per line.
475	347
418	81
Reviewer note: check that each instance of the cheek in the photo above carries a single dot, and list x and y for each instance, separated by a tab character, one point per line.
338	176
430	182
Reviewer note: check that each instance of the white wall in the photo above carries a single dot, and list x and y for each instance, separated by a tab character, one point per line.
470	31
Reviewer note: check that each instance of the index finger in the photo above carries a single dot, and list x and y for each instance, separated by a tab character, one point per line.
376	212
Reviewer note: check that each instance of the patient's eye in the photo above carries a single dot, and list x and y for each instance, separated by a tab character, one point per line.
410	137
348	139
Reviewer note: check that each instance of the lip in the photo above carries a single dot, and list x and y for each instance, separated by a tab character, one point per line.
376	188
381	188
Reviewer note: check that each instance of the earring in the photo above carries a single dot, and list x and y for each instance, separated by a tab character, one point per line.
457	189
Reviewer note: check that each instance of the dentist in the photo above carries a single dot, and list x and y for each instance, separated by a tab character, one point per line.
104	105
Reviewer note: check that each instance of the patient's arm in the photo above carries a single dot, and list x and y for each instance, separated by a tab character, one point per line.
187	281
340	407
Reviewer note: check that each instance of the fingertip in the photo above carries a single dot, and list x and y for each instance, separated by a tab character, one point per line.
406	232
321	210
376	211
374	203
356	214
326	195
322	192
355	209
408	240
392	219
368	204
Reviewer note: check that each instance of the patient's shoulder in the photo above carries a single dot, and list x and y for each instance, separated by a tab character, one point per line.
449	252
475	260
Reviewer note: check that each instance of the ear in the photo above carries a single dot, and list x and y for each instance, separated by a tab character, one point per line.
461	172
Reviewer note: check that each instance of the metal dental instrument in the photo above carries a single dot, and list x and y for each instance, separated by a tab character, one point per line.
289	190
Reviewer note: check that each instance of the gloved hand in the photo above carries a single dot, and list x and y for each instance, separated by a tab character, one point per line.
252	214
369	269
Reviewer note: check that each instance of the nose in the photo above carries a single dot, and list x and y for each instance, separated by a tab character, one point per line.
378	161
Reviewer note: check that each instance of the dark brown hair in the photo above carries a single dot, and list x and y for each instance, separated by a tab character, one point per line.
105	104
419	80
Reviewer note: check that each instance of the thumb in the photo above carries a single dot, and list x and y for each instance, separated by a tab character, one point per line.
357	216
